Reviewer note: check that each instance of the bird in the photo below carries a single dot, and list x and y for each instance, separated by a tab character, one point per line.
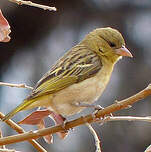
79	77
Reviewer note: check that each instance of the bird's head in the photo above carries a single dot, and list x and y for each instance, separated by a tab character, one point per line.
108	43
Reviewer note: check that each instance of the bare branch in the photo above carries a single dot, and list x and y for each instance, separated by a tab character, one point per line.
125	118
7	150
29	3
77	122
20	130
148	149
22	85
97	141
1	136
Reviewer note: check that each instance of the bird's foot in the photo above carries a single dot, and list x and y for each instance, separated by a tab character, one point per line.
97	108
86	105
60	120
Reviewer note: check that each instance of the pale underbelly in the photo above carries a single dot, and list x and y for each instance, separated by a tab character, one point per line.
87	91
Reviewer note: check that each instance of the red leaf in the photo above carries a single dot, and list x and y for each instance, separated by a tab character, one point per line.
4	29
35	117
48	138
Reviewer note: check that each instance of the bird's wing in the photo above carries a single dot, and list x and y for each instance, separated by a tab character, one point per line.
77	65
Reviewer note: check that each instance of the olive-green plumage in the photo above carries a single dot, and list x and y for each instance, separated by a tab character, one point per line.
80	75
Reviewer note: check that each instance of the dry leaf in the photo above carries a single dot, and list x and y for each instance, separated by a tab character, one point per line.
4	29
48	138
35	117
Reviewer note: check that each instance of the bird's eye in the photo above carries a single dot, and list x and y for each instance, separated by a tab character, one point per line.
112	44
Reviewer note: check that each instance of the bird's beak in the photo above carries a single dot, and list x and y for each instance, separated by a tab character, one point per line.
123	51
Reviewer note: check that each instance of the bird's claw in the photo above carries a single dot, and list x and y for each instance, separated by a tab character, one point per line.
98	107
86	105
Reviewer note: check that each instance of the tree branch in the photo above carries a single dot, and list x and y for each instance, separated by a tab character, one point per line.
118	105
29	3
125	118
22	85
7	150
97	141
1	136
20	130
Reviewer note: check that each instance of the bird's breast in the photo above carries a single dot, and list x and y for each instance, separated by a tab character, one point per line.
86	91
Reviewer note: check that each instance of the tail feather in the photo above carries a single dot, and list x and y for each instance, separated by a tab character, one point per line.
21	107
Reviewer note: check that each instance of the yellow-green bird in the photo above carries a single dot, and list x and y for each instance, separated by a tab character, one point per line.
80	76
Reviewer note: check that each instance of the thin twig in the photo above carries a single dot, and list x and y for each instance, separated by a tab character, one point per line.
7	150
1	136
125	118
148	149
97	141
22	85
77	122
29	3
20	130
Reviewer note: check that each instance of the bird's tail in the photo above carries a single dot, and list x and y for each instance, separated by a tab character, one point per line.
21	107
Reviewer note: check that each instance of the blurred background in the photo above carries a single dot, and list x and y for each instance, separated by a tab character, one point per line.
39	38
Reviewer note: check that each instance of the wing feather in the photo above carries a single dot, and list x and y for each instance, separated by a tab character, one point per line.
78	64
